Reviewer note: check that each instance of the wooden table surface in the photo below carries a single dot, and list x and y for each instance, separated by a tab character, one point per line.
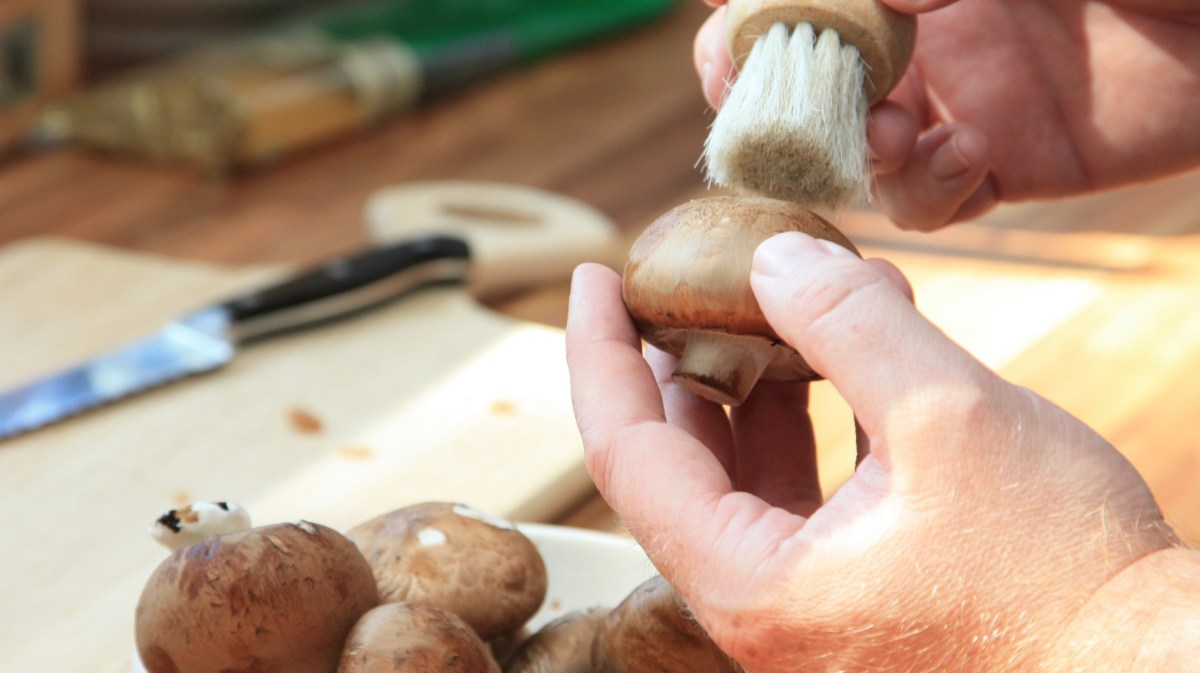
620	125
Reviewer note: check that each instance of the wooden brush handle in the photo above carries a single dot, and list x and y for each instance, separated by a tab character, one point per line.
883	36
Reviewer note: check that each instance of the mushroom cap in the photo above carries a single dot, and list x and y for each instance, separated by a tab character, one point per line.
273	599
453	556
414	638
654	630
690	271
562	646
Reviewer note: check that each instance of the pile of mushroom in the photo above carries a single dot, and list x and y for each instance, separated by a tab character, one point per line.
687	287
430	587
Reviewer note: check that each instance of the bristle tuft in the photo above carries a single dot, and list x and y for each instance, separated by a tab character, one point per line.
793	126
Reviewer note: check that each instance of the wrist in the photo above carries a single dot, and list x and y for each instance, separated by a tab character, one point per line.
1143	619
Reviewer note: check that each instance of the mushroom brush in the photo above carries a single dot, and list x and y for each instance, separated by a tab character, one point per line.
794	124
687	287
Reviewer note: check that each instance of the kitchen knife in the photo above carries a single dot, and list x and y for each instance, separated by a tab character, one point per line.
209	337
500	238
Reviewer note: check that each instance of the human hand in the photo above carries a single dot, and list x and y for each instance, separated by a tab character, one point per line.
1013	101
980	523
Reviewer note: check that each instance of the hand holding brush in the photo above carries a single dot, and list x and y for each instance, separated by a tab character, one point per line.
1011	101
794	124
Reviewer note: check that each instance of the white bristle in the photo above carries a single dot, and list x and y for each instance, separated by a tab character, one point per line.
794	125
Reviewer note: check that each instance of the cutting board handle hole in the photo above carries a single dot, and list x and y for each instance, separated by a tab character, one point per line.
494	215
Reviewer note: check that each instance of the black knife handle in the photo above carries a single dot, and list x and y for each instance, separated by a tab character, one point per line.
347	285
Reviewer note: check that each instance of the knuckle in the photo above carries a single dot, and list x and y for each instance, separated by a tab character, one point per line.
838	292
597	459
602	455
965	410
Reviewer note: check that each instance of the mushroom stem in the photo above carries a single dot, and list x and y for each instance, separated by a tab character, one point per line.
722	367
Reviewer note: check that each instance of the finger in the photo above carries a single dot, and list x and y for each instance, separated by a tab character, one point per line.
668	488
691	413
711	57
985	197
862	441
892	134
893	274
856	328
604	348
616	399
917	6
715	3
776	451
948	165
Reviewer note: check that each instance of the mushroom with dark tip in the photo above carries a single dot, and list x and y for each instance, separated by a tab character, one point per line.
273	599
457	558
414	638
687	287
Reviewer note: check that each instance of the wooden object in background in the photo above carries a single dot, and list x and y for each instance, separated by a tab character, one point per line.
39	60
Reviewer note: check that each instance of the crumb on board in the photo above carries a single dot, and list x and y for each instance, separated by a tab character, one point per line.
181	497
356	452
504	407
304	421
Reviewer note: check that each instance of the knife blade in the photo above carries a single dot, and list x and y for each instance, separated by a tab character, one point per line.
208	338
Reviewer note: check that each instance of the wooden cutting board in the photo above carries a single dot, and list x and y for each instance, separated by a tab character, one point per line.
432	397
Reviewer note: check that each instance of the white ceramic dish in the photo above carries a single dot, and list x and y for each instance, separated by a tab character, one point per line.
584	569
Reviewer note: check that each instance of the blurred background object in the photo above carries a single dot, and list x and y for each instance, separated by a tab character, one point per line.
39	59
224	85
120	34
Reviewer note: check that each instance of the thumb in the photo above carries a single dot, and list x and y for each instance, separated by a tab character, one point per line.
859	330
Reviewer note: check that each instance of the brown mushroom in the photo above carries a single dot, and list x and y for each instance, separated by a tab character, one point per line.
273	599
503	647
653	630
562	646
414	638
687	287
453	556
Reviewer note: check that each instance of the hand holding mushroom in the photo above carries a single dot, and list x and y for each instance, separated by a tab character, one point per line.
985	530
687	287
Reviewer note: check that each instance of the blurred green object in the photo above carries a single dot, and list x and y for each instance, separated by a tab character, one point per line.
530	28
252	101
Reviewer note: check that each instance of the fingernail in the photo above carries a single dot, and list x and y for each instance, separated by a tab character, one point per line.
783	254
